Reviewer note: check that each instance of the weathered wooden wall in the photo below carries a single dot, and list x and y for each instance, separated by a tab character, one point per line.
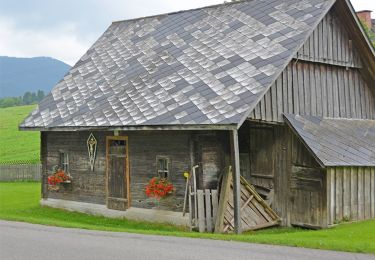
324	79
331	43
317	89
87	186
211	153
350	193
144	146
307	188
305	194
265	163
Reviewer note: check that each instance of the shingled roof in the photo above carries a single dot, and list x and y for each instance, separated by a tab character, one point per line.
336	142
207	66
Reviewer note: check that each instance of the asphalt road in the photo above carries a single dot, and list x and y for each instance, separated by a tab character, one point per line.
28	241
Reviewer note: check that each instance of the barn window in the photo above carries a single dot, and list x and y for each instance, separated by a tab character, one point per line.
64	161
162	164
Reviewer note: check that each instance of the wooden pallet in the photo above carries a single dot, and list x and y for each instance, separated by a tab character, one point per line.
255	212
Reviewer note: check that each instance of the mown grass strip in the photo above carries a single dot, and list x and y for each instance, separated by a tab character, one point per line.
20	202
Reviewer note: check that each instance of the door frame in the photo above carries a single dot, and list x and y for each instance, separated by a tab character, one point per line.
127	173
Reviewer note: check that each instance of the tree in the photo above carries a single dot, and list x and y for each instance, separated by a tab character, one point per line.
27	98
369	32
10	102
40	95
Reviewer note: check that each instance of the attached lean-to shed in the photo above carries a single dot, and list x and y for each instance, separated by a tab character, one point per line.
208	88
342	183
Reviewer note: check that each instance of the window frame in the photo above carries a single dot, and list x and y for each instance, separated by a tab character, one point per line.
163	173
64	160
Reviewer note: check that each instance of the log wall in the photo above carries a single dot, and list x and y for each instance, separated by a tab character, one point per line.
144	147
350	193
87	186
183	148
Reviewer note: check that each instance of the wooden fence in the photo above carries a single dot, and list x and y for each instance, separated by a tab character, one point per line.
20	172
207	209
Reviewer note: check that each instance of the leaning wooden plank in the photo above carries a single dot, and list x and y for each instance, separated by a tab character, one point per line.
255	212
265	225
207	196
201	218
252	190
244	216
261	210
224	191
215	205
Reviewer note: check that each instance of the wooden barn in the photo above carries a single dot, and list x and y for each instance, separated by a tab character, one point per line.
283	91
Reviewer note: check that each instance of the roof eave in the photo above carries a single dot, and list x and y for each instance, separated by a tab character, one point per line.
130	128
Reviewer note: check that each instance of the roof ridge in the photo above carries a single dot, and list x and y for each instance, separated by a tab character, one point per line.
181	11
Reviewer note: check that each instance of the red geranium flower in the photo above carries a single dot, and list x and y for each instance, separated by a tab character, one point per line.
59	177
158	188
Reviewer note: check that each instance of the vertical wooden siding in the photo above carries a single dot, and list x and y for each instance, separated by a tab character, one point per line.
267	167
307	188
330	43
324	79
318	90
350	193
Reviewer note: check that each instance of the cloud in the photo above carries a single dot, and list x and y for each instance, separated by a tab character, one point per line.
364	5
61	42
66	29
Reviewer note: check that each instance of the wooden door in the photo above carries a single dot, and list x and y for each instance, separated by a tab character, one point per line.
118	196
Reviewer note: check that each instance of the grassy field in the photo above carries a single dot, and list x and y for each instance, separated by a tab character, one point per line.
17	145
19	202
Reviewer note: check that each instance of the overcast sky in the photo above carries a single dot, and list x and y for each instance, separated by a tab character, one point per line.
65	29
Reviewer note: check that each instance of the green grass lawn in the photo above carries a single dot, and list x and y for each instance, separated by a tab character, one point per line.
19	202
17	145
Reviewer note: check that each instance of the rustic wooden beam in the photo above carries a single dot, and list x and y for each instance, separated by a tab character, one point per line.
224	193
43	159
236	181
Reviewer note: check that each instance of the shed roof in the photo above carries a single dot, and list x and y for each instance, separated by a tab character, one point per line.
207	66
336	142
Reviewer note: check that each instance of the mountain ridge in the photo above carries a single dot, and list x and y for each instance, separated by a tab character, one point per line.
19	75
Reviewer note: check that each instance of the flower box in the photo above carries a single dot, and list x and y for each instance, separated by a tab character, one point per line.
57	179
